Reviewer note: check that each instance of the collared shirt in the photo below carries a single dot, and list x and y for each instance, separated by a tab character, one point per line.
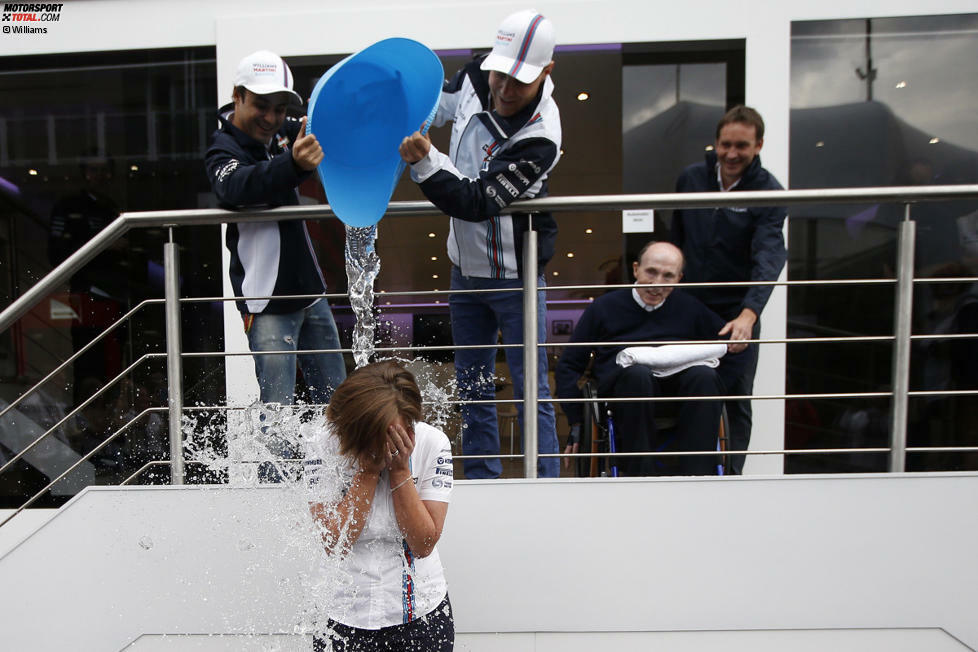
380	583
720	181
646	307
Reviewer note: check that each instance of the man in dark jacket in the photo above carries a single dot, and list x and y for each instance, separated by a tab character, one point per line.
733	244
257	159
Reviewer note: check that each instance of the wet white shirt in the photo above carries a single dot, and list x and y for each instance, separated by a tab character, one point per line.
380	583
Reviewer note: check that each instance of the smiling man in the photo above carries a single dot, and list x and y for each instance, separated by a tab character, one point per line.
642	314
733	244
257	159
505	141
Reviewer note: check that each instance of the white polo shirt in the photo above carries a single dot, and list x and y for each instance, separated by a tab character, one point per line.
380	583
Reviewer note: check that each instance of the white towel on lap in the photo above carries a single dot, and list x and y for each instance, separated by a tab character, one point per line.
670	359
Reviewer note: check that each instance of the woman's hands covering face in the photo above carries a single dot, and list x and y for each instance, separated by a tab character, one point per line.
400	445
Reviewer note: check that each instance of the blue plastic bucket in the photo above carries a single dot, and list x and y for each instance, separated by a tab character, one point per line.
360	111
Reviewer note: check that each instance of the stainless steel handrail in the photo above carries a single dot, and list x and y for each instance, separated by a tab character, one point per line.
904	280
81	406
145	466
199	217
792	451
902	308
552	288
81	461
787	451
79	352
174	362
849	339
653	399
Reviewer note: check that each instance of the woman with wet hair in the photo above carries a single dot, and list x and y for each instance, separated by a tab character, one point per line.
382	479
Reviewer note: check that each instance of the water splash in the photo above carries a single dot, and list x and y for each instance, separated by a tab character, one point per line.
262	445
362	267
271	443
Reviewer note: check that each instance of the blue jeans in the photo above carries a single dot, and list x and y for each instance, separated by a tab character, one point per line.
309	328
478	319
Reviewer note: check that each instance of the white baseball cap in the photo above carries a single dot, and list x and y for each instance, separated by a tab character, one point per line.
524	46
264	73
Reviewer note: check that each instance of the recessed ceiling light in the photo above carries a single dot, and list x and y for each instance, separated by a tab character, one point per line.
935	140
134	168
434	276
431	235
589	230
434	257
709	148
820	143
32	172
583	96
570	254
901	84
556	273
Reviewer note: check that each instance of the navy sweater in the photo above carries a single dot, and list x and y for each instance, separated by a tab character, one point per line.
616	317
730	244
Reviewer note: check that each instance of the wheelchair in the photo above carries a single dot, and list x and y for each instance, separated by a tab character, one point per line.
598	436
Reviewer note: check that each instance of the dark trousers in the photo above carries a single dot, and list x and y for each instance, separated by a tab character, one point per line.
739	413
696	429
434	632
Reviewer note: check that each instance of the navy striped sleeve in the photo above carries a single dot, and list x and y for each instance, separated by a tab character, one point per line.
507	177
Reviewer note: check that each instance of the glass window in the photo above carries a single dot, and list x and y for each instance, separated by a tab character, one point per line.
84	136
882	102
669	116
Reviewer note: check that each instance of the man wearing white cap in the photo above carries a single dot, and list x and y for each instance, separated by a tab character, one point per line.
258	159
505	141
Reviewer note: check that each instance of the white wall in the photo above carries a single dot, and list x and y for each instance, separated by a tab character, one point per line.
316	27
541	563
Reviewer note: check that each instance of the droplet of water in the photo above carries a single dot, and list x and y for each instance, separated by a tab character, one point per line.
145	543
245	544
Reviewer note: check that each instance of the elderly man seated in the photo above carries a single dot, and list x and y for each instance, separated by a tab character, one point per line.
652	314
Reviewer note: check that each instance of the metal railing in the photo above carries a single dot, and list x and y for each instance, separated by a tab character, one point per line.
902	337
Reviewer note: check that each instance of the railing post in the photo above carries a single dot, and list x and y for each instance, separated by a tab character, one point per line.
530	367
902	316
174	365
